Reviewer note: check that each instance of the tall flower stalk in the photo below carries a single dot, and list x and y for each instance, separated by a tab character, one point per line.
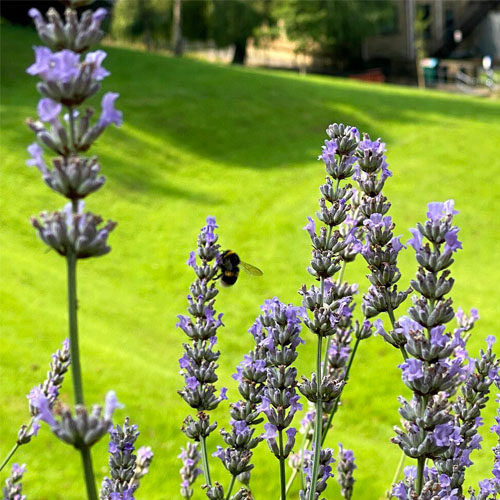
199	361
280	401
66	81
322	388
433	368
50	388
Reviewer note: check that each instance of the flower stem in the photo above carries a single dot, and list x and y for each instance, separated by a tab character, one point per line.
73	330
337	401
204	460
282	466
72	128
75	362
319	422
20	437
89	473
390	312
420	475
9	456
230	489
306	441
396	474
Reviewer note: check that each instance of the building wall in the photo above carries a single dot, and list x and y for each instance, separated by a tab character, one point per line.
486	37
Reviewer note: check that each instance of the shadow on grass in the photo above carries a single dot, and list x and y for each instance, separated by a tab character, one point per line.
243	118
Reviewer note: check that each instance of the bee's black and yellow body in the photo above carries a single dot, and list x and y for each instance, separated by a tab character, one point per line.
229	267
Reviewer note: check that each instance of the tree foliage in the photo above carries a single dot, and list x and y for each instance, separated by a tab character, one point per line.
333	28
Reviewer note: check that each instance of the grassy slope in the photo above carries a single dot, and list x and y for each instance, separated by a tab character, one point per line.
239	144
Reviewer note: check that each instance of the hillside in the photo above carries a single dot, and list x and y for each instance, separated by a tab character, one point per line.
241	144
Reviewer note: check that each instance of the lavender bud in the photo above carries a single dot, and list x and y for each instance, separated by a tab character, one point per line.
74	177
81	430
330	388
215	492
234	460
74	233
69	34
196	429
345	469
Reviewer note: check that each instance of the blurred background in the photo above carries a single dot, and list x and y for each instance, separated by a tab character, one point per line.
225	108
449	44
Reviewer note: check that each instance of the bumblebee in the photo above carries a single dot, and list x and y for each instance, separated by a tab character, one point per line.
230	268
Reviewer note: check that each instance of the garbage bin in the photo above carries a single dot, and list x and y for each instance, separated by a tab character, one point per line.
429	66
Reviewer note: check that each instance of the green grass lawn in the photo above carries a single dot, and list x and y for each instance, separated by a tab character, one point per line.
241	144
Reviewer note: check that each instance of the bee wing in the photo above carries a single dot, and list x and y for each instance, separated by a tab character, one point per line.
254	271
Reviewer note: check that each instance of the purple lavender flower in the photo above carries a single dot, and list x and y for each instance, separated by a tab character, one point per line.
324	473
63	66
95	59
36	159
412	370
466	322
436	211
345	469
42	62
452	243
111	405
142	463
13	489
123	464
190	457
199	361
43	397
416	241
109	114
310	227
48	109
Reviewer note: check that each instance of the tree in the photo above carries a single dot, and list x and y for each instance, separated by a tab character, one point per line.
233	22
146	20
333	28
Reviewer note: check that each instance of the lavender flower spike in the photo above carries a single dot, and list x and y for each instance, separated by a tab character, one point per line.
123	464
190	471
13	489
324	473
435	366
49	389
199	361
345	469
142	462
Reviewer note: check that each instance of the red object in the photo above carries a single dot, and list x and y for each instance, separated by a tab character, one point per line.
371	75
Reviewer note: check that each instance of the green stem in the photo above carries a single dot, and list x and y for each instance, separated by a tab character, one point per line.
306	441
89	473
337	401
397	473
73	330
319	421
420	475
342	270
390	312
325	361
282	466
231	485
9	456
20	437
72	128
204	461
